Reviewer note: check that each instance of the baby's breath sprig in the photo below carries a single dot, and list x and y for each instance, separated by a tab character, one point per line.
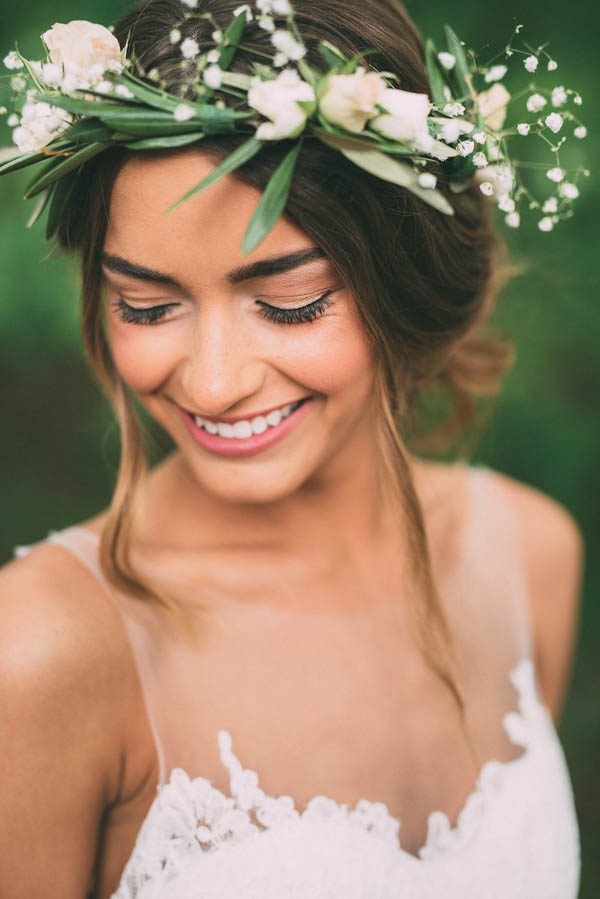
89	94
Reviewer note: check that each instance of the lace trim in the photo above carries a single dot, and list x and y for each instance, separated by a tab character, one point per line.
190	814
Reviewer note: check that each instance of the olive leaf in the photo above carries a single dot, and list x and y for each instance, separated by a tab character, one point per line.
272	202
235	159
436	79
65	164
382	166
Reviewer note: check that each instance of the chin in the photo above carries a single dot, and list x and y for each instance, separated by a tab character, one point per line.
239	488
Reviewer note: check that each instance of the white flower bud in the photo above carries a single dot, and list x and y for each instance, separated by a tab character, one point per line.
466	147
18	83
513	219
13	61
452	109
448	60
523	128
285	42
569	191
535	102
556	174
531	63
546	224
175	35
189	48
580	132
495	73
551	205
246	9
559	96
506	203
427	180
213	76
554	122
552	65
183	112
487	188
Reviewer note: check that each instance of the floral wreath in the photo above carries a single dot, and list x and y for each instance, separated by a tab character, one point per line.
88	95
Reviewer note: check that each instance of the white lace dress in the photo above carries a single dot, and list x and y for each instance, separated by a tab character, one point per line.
515	838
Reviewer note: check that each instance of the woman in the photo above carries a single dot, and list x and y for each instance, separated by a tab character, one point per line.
341	664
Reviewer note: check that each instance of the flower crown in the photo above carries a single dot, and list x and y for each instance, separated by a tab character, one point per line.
88	95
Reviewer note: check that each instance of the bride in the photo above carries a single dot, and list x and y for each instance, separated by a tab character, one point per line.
295	657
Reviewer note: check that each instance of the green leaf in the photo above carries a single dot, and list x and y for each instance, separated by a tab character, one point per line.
332	56
272	202
233	33
160	143
382	166
56	170
61	193
351	66
21	161
39	206
461	69
143	122
147	94
235	159
436	79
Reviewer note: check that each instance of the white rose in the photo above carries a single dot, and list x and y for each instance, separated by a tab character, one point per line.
406	120
276	99
83	49
349	100
491	104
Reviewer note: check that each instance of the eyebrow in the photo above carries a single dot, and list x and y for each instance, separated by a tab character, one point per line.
275	265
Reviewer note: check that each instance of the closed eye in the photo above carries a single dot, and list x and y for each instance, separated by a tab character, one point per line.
148	315
307	313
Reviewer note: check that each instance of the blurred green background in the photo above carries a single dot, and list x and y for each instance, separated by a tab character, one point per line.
59	443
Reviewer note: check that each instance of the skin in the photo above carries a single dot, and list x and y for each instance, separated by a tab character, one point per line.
298	528
214	354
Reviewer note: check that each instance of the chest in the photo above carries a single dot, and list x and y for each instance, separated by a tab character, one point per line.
317	704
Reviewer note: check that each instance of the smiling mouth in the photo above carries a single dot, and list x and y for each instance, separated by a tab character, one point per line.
242	428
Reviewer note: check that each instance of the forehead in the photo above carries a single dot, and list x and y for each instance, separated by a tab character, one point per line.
208	227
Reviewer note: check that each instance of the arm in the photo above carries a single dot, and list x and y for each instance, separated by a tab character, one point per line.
553	550
60	752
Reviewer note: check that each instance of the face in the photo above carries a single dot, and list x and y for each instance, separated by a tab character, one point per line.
218	346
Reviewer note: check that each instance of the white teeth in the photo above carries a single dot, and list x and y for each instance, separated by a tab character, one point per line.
274	417
259	424
242	429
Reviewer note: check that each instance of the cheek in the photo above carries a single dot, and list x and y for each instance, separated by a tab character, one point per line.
333	355
141	354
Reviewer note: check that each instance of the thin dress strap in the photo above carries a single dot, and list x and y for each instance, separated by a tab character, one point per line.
84	545
494	539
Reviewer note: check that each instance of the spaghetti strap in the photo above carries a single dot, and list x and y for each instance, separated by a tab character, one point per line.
84	544
494	538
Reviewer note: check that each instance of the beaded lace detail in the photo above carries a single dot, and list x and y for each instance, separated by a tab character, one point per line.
190	816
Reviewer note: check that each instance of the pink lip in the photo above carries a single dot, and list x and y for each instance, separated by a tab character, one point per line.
228	446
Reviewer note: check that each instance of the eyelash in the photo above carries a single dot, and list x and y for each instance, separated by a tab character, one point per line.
152	314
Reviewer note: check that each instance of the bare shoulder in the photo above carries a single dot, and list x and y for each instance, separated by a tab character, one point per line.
553	552
62	677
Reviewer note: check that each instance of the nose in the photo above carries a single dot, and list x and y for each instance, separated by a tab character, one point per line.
222	366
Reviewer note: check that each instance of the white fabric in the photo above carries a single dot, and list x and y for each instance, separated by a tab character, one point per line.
515	838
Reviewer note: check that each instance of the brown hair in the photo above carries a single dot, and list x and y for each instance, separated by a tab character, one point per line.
425	283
